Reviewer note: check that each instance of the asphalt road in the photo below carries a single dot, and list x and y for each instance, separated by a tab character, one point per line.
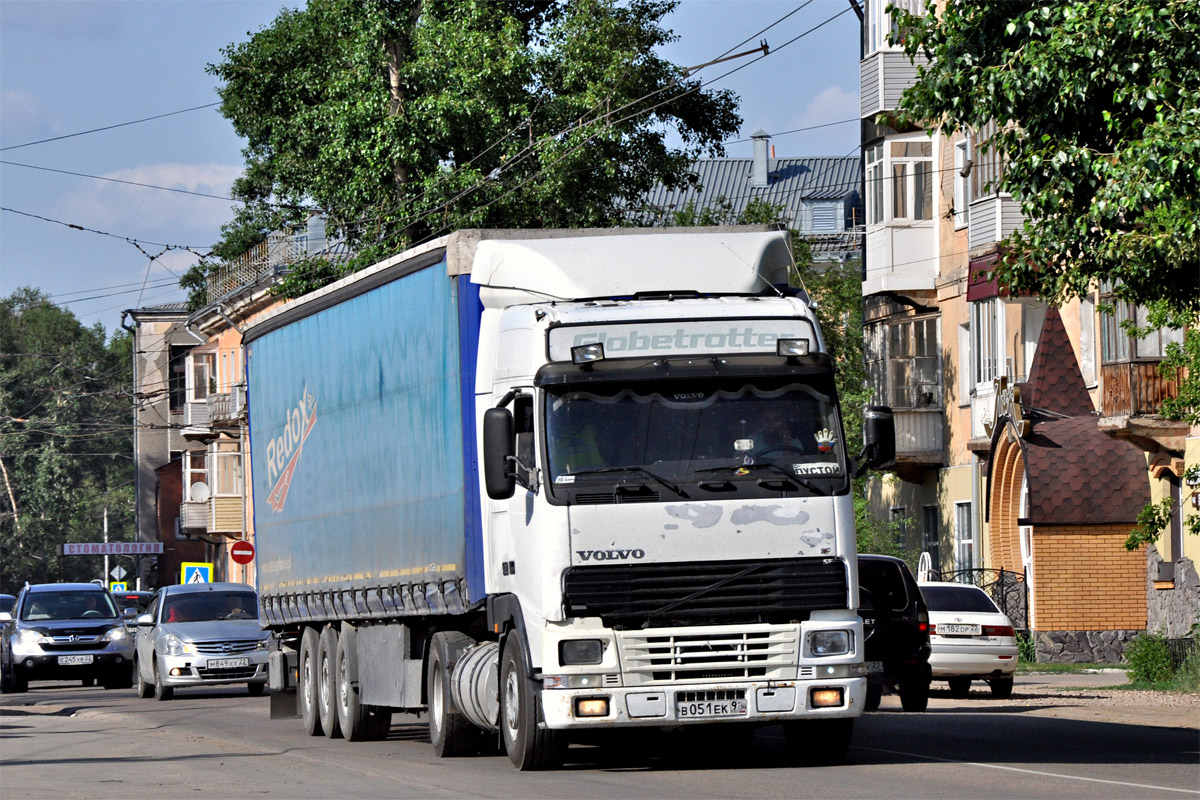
63	742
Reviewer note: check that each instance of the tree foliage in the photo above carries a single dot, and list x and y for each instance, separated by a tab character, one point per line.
65	439
1097	104
405	119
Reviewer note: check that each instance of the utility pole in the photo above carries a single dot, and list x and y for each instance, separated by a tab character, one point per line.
106	542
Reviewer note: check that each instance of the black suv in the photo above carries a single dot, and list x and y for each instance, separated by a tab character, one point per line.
65	631
896	627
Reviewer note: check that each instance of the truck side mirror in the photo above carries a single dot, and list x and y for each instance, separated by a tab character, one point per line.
498	444
879	436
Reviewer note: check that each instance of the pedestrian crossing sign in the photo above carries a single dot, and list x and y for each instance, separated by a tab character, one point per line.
196	572
118	586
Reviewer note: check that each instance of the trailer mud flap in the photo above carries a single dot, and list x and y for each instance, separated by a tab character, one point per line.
282	674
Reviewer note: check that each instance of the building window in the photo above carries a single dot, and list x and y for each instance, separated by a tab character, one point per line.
962	187
911	172
964	536
965	379
987	337
899	518
985	172
874	188
1087	339
200	374
1117	344
177	375
194	470
878	24
930	535
226	468
904	363
1033	316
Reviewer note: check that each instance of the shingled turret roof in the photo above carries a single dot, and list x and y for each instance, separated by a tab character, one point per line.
1055	383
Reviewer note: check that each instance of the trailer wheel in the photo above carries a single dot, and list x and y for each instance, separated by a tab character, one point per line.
327	682
819	742
451	733
359	722
310	643
528	746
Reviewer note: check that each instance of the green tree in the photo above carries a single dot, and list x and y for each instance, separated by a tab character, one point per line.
404	119
65	439
1097	103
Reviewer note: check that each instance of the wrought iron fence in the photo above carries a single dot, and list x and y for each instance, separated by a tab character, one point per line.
1006	588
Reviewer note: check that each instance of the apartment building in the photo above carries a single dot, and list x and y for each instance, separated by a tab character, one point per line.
1028	437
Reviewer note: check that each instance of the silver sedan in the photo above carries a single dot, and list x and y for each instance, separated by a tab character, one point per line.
204	634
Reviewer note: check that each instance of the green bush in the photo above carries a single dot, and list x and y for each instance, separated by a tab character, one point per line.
1149	659
1026	648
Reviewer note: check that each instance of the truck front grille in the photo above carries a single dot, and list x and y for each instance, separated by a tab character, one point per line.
634	595
709	654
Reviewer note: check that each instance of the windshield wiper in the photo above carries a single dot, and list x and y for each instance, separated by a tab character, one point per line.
812	487
673	487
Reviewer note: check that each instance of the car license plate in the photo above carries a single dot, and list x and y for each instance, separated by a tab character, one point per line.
710	708
66	661
228	663
874	666
954	629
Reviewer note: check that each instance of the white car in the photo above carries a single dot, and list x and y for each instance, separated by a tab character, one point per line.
970	637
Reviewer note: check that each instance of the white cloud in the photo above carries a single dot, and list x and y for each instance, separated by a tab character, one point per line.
140	212
831	105
23	118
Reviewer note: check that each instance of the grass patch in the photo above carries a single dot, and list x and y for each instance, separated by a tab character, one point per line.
1061	668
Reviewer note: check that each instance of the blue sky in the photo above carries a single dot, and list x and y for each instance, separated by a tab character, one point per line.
67	67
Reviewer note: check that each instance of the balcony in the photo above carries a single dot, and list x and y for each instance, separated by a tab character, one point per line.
992	220
228	407
883	76
919	436
1131	396
193	517
223	515
901	258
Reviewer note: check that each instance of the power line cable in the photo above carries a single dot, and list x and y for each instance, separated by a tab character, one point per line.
118	180
130	239
108	127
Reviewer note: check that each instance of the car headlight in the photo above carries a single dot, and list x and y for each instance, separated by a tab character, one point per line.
174	646
116	634
264	644
28	637
830	643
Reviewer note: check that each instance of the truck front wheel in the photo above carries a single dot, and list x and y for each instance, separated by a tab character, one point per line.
451	733
310	643
528	746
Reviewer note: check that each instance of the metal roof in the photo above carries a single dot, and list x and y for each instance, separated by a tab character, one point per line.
792	182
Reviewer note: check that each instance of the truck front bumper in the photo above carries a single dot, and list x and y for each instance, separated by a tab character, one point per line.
679	704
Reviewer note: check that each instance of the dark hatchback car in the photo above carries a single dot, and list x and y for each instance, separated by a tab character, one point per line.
896	629
65	631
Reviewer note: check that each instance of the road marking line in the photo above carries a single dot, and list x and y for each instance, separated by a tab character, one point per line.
1029	771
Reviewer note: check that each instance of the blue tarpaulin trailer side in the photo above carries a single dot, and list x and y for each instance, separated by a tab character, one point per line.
364	463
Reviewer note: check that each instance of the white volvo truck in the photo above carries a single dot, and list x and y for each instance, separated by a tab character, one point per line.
537	482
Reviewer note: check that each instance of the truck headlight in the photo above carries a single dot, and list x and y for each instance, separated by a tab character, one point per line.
580	651
174	646
116	634
830	643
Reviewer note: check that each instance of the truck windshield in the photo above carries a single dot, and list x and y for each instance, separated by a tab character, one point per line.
734	431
